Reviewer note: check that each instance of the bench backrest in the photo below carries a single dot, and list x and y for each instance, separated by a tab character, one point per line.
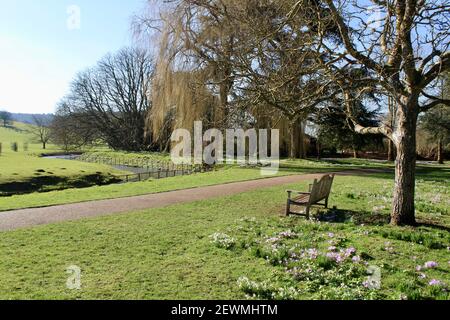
321	189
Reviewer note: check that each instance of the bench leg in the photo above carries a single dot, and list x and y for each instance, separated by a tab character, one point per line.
307	212
326	203
288	208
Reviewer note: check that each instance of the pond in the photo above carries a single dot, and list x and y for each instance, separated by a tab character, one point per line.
63	156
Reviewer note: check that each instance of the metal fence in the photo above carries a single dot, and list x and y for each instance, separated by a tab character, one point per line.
161	174
145	168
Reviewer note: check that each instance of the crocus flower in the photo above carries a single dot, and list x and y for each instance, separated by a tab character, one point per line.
435	282
431	265
313	253
349	252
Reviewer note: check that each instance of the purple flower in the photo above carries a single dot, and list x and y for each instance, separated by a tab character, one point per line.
335	257
312	253
431	265
435	282
419	268
331	235
349	252
356	259
332	248
288	234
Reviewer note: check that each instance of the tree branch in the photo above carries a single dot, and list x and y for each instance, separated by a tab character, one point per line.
436	69
345	35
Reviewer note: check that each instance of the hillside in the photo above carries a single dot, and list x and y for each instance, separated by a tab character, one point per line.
29	118
18	132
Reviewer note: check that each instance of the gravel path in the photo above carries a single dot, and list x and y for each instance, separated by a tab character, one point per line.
17	219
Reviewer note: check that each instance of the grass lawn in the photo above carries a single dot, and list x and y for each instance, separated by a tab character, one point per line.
25	171
123	155
168	253
224	175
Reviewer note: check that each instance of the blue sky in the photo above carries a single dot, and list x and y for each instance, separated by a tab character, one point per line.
42	48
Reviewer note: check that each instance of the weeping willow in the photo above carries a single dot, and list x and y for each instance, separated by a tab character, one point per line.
189	87
179	95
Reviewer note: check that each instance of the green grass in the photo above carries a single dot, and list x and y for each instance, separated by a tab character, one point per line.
224	175
26	171
129	156
167	253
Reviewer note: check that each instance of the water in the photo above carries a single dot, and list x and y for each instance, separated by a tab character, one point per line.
63	156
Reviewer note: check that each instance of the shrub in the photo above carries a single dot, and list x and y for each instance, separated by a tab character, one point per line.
14	146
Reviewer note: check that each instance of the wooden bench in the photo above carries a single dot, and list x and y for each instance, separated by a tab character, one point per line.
318	191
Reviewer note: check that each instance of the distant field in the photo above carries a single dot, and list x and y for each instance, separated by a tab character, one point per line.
25	171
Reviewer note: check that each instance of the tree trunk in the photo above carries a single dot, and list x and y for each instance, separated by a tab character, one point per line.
355	153
440	156
390	150
301	140
43	145
297	140
403	209
293	143
319	150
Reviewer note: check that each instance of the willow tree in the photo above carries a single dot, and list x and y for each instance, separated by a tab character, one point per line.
193	77
404	46
179	95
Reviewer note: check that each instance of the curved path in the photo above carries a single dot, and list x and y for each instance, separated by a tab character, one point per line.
16	219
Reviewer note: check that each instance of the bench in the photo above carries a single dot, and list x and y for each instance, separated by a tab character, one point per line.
318	191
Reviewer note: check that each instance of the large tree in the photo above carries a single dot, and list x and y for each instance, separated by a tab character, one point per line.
41	130
113	99
404	46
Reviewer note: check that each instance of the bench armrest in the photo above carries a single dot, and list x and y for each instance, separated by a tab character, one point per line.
296	192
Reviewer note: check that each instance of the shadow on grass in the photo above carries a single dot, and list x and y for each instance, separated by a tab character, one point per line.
13	128
355	217
371	219
433	225
51	183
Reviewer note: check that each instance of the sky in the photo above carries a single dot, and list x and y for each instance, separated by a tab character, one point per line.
44	43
